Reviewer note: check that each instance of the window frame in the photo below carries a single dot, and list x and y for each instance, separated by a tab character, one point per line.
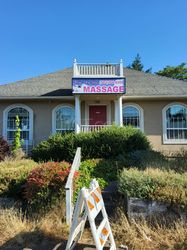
65	105
164	124
141	113
5	120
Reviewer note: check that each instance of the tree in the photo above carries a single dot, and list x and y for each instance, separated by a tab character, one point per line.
176	72
16	142
137	65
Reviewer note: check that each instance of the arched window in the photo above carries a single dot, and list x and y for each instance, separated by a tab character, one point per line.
133	116
63	119
175	123
25	115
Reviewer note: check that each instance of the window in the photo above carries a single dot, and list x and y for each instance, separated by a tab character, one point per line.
63	119
133	116
25	115
175	123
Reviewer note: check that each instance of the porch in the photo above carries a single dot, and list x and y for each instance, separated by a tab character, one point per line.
93	113
98	91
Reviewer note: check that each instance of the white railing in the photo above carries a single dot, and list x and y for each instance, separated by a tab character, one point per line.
91	128
97	70
69	186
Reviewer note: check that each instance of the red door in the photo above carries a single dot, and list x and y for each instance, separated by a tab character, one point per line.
97	115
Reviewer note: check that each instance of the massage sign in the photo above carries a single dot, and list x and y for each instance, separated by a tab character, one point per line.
98	86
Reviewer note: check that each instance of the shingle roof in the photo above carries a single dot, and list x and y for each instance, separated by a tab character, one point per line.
59	84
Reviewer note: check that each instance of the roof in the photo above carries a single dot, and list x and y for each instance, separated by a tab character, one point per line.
59	84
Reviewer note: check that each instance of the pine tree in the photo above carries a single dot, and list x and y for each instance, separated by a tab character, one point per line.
176	72
137	64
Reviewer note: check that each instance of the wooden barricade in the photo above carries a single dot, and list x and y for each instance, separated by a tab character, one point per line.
89	204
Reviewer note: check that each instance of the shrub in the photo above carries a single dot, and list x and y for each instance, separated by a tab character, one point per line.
179	161
143	159
107	143
45	184
155	184
4	149
13	175
104	171
17	135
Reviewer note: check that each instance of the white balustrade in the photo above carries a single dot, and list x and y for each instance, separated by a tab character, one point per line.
91	128
97	69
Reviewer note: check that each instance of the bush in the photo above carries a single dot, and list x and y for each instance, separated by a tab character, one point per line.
155	184
107	143
179	161
104	171
4	148
143	159
13	175
45	184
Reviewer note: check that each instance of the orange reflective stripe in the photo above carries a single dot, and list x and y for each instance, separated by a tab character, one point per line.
90	205
96	198
104	231
101	241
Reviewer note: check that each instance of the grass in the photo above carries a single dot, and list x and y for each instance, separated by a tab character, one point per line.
141	235
17	232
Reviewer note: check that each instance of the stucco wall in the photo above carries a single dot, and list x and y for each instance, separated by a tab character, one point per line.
42	123
153	124
42	120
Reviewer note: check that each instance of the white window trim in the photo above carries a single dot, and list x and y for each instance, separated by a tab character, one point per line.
141	112
64	105
165	140
5	116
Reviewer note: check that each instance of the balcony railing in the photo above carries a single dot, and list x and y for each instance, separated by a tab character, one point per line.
92	128
97	70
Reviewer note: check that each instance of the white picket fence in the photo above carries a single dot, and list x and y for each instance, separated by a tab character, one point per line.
69	186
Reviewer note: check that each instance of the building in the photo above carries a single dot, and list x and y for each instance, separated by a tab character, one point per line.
88	97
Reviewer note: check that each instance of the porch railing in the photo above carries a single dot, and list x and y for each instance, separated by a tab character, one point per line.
97	69
69	186
91	128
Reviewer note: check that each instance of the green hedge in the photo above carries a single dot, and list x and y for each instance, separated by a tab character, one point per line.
107	143
155	184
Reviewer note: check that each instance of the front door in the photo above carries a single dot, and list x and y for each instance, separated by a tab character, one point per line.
97	115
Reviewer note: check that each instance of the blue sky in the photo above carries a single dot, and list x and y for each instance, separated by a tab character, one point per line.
41	36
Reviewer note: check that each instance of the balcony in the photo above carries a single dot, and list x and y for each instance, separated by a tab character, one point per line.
106	70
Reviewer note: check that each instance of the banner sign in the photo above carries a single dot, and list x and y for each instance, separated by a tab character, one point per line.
98	85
